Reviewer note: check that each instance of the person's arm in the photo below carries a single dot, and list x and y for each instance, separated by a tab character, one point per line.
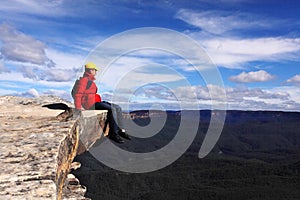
98	98
80	92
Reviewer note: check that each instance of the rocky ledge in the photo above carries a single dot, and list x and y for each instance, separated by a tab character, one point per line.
38	145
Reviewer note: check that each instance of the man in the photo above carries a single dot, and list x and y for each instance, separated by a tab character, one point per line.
86	98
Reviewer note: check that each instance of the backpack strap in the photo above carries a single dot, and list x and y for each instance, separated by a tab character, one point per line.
89	83
74	89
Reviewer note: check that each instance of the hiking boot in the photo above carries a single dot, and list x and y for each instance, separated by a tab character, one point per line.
116	138
123	134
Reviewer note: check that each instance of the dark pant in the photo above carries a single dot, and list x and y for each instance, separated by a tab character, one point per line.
114	115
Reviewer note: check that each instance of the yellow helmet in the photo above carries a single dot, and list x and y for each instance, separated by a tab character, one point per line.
91	65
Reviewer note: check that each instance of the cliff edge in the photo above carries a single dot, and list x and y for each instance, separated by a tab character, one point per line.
38	145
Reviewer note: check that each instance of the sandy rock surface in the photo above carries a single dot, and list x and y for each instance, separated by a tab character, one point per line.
31	157
29	107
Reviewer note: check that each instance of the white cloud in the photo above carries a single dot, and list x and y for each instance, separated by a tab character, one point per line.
133	79
256	76
19	78
34	93
292	91
17	46
230	50
294	79
49	7
259	47
219	22
26	62
3	68
59	75
242	98
65	94
53	9
287	98
29	72
30	57
162	41
234	53
29	93
240	93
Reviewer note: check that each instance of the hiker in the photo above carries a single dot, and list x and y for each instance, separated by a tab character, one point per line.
86	98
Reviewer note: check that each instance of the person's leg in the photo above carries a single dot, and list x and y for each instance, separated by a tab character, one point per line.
115	118
119	118
118	115
113	127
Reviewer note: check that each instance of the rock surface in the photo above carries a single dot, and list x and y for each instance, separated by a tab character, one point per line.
37	149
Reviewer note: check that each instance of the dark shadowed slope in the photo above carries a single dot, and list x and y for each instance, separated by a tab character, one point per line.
256	157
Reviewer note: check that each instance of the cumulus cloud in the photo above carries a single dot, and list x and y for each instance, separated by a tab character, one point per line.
155	91
233	94
59	93
29	72
58	75
49	75
259	99
256	76
18	77
53	92
29	57
16	46
241	98
294	79
241	93
30	93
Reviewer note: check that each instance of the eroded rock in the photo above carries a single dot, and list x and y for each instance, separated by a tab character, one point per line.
37	148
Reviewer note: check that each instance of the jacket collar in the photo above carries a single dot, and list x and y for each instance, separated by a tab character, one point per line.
90	76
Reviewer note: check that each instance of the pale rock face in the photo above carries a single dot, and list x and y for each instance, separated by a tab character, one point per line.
37	149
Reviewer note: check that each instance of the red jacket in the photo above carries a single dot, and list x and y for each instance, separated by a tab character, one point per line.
86	98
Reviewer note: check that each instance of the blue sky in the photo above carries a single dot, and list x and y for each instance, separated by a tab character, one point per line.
255	46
